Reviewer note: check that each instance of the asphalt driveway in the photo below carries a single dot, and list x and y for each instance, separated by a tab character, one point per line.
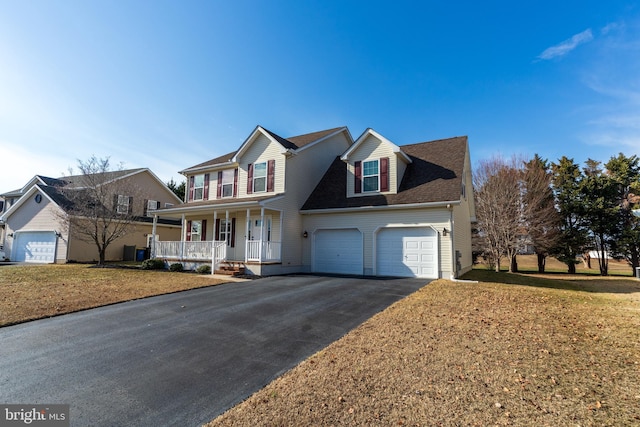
182	359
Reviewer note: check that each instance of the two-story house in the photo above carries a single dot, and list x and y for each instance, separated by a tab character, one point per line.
36	217
324	203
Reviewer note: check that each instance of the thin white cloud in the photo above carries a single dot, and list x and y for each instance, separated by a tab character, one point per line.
567	45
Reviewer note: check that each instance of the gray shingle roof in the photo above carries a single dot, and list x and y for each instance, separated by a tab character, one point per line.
293	143
434	176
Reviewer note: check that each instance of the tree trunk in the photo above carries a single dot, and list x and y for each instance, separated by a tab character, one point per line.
513	267
634	260
571	268
498	265
102	255
542	260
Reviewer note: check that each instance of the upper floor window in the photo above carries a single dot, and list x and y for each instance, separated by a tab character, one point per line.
227	183
370	177
199	187
123	204
261	177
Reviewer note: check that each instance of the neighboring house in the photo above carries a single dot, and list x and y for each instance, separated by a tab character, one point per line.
35	231
323	203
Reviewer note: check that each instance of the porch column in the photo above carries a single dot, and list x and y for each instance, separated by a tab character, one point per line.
246	236
153	237
184	237
213	243
227	228
261	233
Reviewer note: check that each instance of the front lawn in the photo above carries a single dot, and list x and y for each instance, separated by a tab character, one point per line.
32	292
544	351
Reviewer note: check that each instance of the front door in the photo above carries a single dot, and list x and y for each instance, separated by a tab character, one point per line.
256	227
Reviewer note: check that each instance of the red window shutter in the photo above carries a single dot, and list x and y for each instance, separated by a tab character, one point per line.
271	169
384	174
358	176
233	232
192	180
206	187
250	179
188	231
130	208
219	190
146	204
235	182
216	233
203	235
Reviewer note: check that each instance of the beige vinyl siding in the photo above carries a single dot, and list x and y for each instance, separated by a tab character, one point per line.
261	150
32	216
370	222
462	219
148	188
311	163
373	149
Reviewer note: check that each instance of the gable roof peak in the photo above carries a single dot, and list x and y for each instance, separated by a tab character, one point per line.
370	132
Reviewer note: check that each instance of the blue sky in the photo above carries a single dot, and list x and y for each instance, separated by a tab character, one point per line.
169	84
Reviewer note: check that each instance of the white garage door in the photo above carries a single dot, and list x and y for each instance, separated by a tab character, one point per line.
338	251
407	252
34	246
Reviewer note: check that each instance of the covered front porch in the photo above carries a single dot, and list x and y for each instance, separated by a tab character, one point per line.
220	235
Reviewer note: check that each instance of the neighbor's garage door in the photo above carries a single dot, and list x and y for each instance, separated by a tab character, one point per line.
407	252
34	246
338	251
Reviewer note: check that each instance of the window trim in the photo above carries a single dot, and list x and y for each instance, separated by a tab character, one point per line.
197	187
123	201
365	176
257	177
231	178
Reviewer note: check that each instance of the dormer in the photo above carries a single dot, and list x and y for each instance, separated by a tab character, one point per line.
375	165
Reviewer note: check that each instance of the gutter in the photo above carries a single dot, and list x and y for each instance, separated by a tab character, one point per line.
446	204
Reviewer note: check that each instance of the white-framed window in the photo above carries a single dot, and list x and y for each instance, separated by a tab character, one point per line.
196	231
260	177
122	206
227	182
370	176
152	205
198	187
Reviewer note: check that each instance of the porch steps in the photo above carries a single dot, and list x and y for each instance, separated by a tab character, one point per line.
231	269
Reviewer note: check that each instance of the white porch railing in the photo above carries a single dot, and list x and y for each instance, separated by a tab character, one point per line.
185	250
262	251
216	251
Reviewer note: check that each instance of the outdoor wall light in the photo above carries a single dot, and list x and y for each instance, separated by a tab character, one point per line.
445	232
305	234
58	234
10	235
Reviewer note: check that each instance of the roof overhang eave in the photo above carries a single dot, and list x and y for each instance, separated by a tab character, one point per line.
428	205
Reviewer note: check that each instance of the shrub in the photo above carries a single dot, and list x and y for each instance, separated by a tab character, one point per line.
176	267
204	269
152	264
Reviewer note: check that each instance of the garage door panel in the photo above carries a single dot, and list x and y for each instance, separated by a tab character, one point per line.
407	252
338	251
35	246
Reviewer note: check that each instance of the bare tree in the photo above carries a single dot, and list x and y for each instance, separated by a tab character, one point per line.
498	198
541	218
99	204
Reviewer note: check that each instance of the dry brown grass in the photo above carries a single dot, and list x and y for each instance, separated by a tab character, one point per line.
543	352
32	292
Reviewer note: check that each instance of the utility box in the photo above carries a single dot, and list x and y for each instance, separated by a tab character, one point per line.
129	253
